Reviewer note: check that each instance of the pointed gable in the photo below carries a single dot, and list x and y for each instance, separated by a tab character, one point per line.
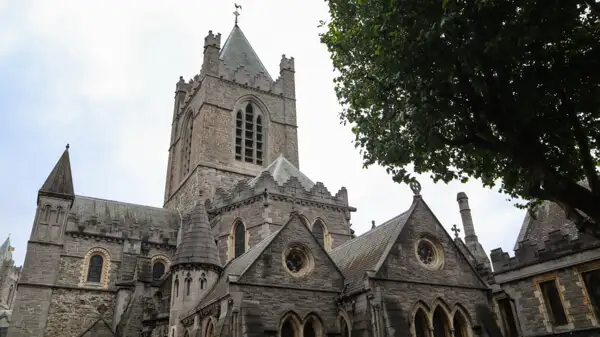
60	181
403	263
282	170
237	52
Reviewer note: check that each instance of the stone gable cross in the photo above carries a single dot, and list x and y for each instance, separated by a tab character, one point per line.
456	230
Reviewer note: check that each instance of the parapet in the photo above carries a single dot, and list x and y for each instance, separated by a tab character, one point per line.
558	244
267	187
286	64
212	40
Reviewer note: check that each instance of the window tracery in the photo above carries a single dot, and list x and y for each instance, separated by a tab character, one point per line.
249	135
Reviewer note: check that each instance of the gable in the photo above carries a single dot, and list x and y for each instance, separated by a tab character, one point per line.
98	329
403	263
270	268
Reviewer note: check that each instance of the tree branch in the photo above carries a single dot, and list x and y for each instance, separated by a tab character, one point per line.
594	7
584	148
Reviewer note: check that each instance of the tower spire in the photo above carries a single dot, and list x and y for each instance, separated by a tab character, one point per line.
60	181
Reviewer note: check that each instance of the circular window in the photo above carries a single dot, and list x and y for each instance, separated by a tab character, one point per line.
429	254
298	260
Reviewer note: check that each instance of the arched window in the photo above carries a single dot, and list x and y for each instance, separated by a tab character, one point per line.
202	281
344	331
95	268
421	326
186	141
188	284
441	326
210	329
239	239
289	329
187	334
176	286
158	270
312	328
249	135
318	231
47	213
460	324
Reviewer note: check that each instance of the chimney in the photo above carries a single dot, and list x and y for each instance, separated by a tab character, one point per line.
465	214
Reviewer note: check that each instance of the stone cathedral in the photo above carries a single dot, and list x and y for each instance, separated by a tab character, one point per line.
246	245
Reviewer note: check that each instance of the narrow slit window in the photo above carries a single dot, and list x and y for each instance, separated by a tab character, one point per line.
554	305
592	285
508	318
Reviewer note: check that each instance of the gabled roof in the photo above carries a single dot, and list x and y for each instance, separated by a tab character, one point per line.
368	251
236	267
281	170
237	51
60	180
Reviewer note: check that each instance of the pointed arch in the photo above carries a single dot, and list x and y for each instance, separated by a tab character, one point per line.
209	329
289	325
440	317
321	233
461	322
438	302
202	281
343	324
421	326
186	144
176	287
188	284
312	326
250	130
238	239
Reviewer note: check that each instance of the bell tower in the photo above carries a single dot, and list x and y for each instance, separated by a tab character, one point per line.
230	120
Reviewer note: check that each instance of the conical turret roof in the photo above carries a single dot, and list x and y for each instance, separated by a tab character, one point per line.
197	242
60	181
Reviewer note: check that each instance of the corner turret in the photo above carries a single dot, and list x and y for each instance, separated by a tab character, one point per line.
196	266
212	47
59	183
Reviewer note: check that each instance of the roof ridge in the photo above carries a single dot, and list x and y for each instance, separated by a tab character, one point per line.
123	202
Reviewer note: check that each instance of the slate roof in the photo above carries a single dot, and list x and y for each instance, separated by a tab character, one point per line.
60	180
367	252
281	170
237	51
105	211
197	242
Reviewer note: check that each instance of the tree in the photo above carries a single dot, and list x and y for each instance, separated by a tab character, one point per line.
501	90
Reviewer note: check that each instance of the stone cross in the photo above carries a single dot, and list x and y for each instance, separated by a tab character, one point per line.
456	230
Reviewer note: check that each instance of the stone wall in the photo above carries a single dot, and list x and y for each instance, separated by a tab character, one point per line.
30	311
531	309
404	264
72	311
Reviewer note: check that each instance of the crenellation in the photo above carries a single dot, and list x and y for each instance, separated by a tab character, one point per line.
286	63
212	40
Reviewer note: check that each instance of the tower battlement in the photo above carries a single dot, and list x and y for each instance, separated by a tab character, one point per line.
558	244
266	185
212	40
286	64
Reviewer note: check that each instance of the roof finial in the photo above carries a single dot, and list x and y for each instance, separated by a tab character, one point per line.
236	13
456	230
67	147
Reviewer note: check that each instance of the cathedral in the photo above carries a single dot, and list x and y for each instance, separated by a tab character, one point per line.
246	245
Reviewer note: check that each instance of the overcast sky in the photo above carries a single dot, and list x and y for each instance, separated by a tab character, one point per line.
100	75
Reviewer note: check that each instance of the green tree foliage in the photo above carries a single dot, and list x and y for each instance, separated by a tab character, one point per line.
501	90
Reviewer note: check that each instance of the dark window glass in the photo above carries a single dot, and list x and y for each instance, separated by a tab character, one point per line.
592	285
318	232
553	302
95	269
287	330
239	239
158	270
309	329
441	327
508	318
421	326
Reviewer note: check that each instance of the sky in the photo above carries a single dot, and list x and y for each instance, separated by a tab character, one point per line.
100	75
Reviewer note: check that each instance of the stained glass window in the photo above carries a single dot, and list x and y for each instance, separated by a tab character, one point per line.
95	268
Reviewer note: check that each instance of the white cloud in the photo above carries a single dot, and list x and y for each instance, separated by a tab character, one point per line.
115	64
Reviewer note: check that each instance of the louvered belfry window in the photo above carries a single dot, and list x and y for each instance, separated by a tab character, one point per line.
249	135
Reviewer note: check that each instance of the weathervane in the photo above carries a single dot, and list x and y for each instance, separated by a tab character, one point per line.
236	13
